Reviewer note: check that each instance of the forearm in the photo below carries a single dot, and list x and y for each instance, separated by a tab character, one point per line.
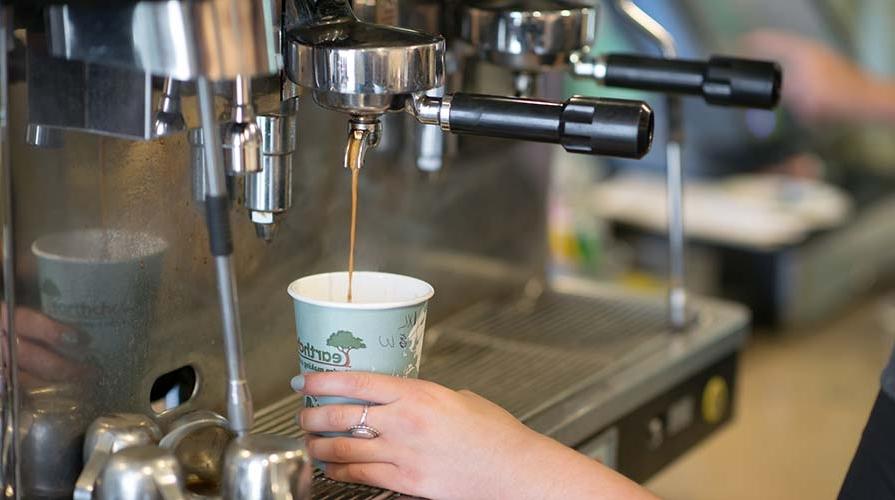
558	472
587	478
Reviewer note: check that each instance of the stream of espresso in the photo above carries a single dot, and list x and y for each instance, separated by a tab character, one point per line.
353	229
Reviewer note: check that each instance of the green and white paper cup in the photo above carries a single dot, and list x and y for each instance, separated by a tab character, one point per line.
103	283
380	330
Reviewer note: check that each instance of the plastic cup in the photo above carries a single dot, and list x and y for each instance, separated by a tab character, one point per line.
381	330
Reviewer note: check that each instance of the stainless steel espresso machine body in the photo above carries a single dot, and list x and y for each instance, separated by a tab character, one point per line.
169	167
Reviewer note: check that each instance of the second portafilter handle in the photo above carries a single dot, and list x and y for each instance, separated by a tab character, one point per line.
721	81
611	127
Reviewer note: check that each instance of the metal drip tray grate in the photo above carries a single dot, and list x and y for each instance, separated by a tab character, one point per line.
563	321
528	355
334	490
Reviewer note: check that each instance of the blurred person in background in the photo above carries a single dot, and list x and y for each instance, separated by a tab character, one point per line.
824	87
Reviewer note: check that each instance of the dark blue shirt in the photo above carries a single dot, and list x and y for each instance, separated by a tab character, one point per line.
888	379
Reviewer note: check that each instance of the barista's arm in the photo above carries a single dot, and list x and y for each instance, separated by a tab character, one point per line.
821	85
439	443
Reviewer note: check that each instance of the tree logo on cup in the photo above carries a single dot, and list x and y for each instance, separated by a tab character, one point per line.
342	340
49	288
345	342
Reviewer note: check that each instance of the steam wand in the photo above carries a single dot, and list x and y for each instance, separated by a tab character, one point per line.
721	81
239	399
677	291
168	118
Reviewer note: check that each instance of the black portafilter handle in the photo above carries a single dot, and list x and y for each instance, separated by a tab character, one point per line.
722	81
610	127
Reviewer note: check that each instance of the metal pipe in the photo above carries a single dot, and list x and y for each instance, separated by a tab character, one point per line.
677	292
429	142
663	38
241	135
242	93
242	100
239	400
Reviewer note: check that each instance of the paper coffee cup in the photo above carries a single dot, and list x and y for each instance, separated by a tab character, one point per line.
380	330
103	283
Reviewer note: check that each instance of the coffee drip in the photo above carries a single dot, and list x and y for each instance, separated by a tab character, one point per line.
352	232
363	134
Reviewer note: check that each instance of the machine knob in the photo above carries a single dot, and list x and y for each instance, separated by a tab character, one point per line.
741	82
607	127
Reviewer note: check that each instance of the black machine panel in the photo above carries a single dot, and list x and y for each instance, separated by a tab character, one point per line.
641	443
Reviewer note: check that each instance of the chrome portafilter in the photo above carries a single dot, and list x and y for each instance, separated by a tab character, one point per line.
363	70
528	36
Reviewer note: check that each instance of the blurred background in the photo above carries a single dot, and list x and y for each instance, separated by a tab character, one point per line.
790	212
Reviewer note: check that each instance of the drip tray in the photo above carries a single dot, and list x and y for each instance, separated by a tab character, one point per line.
567	362
530	354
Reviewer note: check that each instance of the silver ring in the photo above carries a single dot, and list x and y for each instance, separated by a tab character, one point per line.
362	430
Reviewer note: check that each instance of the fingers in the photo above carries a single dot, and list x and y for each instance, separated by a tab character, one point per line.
338	418
380	475
46	364
30	382
34	325
345	450
373	387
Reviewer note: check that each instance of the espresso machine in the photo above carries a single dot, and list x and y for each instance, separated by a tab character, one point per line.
170	166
